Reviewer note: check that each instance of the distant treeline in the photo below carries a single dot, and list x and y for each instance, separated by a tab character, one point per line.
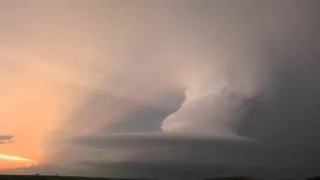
250	178
57	177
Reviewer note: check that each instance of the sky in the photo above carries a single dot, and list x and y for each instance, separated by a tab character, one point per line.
168	89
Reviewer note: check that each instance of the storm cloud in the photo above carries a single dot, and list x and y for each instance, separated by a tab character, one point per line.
171	88
261	88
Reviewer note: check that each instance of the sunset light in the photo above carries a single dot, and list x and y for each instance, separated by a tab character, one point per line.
10	162
14	158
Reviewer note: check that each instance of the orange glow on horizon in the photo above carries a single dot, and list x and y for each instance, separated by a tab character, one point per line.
12	162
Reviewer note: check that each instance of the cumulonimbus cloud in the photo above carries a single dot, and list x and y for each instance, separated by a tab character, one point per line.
245	70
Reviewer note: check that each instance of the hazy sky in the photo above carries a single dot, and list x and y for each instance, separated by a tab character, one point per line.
169	89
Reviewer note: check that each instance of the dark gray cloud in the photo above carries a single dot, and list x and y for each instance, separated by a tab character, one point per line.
172	156
6	139
169	156
286	115
166	147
